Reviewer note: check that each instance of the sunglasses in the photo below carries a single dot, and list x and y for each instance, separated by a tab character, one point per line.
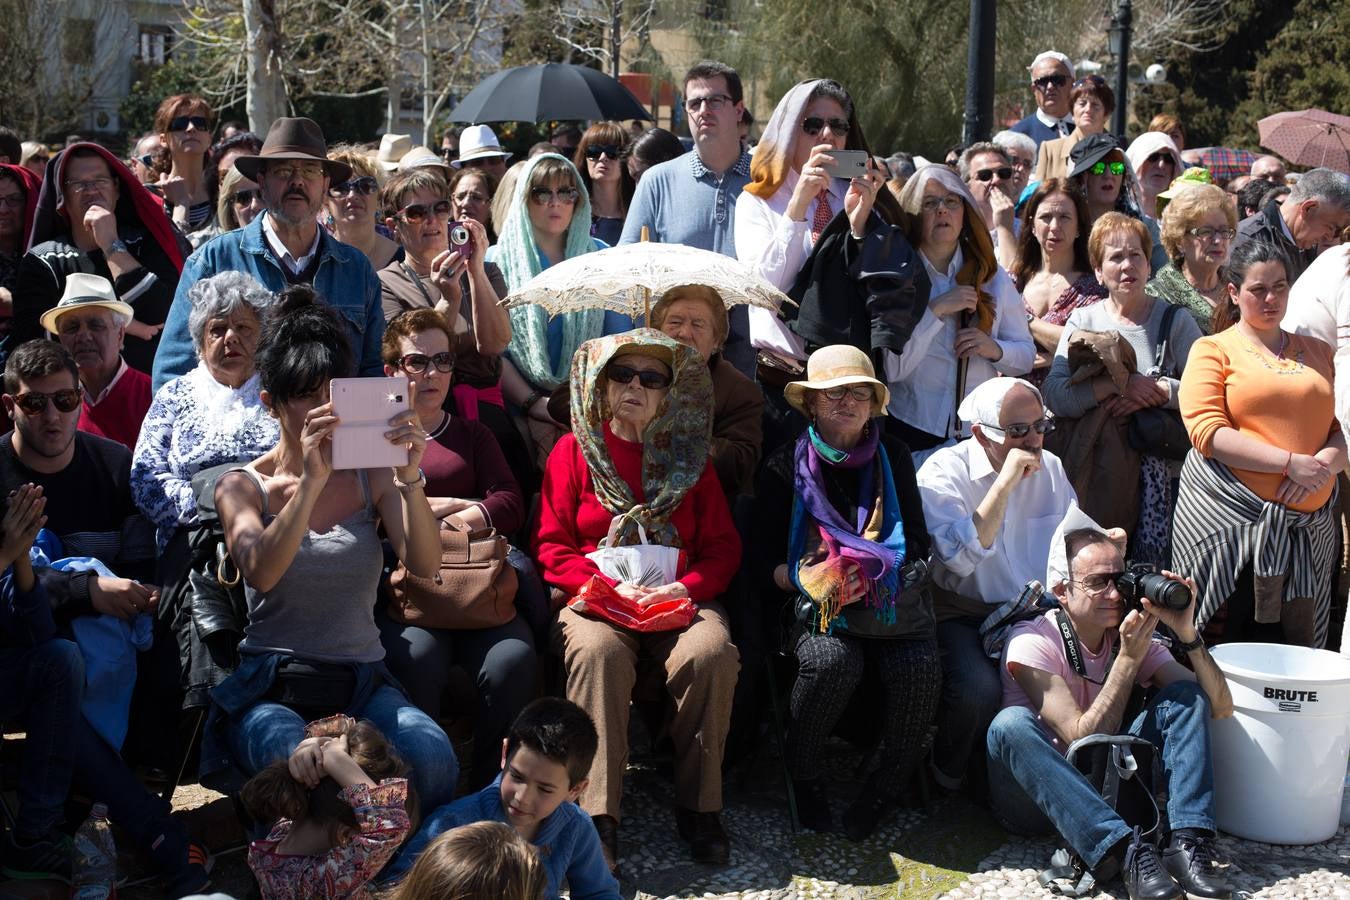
1162	156
543	196
860	392
245	198
416	213
1022	429
181	123
33	403
814	125
595	151
714	102
147	160
652	381
418	363
1046	80
1003	172
365	186
1101	168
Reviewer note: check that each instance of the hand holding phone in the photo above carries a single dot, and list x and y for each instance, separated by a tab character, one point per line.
848	163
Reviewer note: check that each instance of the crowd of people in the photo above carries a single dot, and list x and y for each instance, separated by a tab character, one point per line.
1014	371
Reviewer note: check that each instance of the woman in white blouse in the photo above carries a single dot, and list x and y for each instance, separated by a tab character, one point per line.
974	328
791	197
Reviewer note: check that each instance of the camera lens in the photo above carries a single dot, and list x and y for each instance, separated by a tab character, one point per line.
1165	592
459	235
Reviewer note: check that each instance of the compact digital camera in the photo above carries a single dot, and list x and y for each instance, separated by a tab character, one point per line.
460	237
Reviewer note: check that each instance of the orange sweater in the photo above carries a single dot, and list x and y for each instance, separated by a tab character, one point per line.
1231	383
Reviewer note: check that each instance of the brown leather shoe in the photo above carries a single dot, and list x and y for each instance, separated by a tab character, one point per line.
703	832
608	829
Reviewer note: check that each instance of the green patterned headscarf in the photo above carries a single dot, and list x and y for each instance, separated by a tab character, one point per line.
518	259
675	446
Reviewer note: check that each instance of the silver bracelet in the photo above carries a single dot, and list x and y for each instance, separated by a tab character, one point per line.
404	487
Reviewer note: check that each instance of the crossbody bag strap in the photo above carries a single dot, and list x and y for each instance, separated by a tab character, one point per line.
417	283
1164	339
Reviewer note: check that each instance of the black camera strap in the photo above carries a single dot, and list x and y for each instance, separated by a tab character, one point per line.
1073	648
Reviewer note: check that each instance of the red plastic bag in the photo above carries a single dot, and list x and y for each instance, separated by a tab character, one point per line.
598	600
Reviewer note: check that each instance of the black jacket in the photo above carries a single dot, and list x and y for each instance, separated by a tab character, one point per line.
1268	226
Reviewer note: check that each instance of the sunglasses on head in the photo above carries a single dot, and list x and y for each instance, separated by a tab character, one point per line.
418	363
365	186
1094	80
418	212
814	125
1022	429
34	403
245	198
1101	168
1003	172
1046	80
181	123
595	151
651	380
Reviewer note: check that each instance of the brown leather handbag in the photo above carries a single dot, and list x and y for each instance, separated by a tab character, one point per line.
477	587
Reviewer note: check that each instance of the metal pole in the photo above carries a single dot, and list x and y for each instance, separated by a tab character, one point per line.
615	30
979	114
1122	22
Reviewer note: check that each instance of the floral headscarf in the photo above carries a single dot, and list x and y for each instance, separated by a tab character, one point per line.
675	446
518	259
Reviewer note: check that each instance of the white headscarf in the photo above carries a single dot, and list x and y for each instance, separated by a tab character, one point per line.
1057	563
984	405
1149	143
773	153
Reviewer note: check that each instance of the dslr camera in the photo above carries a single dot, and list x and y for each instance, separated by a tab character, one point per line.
461	238
1143	580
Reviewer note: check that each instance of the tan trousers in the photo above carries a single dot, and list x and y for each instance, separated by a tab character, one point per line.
701	666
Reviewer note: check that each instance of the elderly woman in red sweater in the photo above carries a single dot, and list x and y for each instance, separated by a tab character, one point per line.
637	455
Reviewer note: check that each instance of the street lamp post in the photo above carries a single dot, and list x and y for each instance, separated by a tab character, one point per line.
979	112
1120	48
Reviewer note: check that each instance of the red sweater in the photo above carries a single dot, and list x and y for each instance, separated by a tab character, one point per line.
572	522
119	415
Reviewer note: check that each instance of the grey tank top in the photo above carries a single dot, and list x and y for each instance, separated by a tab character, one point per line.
323	608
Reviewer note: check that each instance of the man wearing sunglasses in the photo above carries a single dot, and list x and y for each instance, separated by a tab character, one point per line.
987	170
143	158
991	504
1051	76
691	199
286	246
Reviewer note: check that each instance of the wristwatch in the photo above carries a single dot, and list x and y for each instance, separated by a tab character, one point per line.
1193	645
117	246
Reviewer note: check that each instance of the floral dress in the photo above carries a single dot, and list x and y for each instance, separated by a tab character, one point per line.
344	871
1083	292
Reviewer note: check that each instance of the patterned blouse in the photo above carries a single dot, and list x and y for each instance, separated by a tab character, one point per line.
344	871
194	423
1083	292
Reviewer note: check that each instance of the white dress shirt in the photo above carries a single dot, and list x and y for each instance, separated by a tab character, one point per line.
775	247
952	483
922	380
1063	126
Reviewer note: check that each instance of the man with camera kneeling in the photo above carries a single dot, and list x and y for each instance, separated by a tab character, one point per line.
1065	683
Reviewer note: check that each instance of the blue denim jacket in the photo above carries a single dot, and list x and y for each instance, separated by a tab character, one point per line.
344	278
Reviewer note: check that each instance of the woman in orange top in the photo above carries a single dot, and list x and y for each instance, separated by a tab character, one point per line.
1255	519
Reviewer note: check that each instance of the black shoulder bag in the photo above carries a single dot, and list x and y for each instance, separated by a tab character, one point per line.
1159	431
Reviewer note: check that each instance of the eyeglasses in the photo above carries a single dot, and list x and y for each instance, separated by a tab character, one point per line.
652	381
245	198
33	403
181	123
714	102
1046	80
1100	168
543	196
1097	585
13	202
1206	233
814	125
863	393
470	197
1094	80
93	184
415	213
309	172
1003	172
418	363
595	151
365	186
1020	430
951	203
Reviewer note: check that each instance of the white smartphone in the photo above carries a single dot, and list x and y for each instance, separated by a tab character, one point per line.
848	163
364	407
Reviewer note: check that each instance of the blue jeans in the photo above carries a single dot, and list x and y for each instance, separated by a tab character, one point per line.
1033	787
270	731
43	687
971	694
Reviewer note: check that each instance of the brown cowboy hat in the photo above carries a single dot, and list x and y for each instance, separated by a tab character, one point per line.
297	138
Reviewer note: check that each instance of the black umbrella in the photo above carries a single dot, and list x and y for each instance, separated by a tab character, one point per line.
551	91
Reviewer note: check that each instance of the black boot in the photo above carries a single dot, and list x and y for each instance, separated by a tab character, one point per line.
1191	860
1144	875
813	805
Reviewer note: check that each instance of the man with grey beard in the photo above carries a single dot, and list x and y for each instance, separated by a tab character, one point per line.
285	246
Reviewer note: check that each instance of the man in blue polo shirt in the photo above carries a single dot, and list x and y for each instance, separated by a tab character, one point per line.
691	199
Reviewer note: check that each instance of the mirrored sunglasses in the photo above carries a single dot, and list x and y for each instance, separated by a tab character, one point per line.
543	196
1100	168
34	403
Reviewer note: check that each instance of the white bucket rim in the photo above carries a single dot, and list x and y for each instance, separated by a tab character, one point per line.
1230	668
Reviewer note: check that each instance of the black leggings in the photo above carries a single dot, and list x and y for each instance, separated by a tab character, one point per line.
830	669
